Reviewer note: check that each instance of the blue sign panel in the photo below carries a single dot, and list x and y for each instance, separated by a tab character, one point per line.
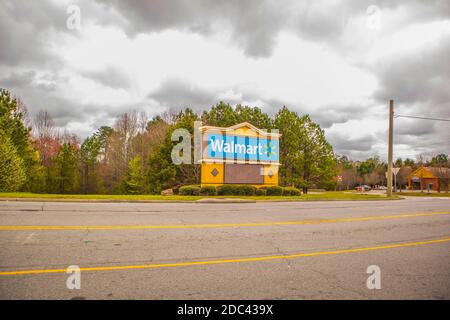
242	148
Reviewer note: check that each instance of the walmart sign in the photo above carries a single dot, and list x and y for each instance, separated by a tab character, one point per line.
242	148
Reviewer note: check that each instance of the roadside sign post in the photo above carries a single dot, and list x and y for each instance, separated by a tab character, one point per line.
395	171
390	143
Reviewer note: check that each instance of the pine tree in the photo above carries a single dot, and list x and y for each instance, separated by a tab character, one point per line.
135	178
12	171
13	127
65	170
89	154
308	159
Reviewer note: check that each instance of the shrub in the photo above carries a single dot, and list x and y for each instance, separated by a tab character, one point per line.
208	191
274	191
260	191
245	190
235	190
225	190
291	191
191	190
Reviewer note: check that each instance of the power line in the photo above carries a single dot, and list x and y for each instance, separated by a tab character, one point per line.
423	118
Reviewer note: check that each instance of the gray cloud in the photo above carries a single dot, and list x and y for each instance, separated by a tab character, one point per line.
418	83
176	94
417	80
410	127
328	115
254	26
18	80
110	77
345	145
40	96
26	28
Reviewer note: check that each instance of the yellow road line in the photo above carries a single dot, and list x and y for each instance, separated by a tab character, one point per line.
219	225
212	262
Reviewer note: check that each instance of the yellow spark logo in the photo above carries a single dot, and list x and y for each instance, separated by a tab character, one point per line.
269	149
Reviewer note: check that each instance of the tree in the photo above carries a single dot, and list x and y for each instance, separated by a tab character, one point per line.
12	171
162	172
398	163
409	163
348	178
441	169
368	165
134	182
89	154
13	115
319	164
65	170
440	160
220	115
347	171
344	162
254	115
308	159
288	124
402	176
443	175
119	149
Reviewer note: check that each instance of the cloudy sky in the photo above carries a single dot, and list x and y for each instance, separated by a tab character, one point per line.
339	61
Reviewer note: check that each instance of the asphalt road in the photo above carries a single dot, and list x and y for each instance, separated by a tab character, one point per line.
303	250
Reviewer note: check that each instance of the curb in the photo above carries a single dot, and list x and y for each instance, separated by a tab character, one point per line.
224	200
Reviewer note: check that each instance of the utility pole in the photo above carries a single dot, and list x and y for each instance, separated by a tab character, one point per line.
391	130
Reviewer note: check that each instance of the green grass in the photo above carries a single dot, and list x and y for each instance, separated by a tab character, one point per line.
424	194
125	197
105	197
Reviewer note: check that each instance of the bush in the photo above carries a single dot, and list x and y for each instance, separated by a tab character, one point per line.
225	190
244	190
208	191
291	191
235	190
274	191
260	191
192	190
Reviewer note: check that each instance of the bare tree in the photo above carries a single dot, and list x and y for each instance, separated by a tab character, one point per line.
23	110
69	138
43	125
45	136
348	179
119	149
402	176
443	175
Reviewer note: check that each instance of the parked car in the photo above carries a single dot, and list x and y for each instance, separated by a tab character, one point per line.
363	187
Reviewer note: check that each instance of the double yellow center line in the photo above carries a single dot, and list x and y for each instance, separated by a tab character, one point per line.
220	225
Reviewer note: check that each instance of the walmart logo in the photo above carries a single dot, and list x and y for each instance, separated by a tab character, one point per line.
270	150
241	147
